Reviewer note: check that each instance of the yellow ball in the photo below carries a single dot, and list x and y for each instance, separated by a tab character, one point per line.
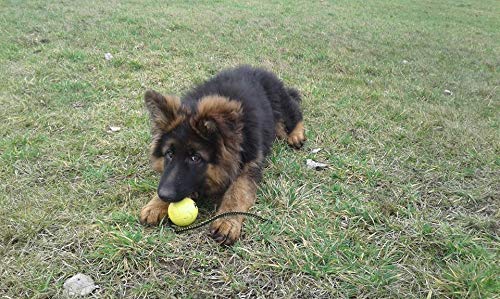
183	213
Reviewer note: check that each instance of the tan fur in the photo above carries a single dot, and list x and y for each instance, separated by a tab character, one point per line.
297	137
154	211
167	127
215	106
157	163
218	176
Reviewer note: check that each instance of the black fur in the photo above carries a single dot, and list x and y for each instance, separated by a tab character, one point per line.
265	101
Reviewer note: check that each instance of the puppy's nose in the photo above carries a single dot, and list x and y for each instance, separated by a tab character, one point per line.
167	194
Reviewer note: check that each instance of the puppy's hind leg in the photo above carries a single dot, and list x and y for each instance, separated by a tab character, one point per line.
292	115
297	137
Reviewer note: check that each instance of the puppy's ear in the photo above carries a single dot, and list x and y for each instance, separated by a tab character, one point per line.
163	110
218	116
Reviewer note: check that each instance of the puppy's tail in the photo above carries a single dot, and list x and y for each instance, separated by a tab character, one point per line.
294	94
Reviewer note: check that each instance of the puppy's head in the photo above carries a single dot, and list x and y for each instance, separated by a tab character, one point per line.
196	147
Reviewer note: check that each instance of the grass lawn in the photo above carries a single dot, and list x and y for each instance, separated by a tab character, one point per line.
408	208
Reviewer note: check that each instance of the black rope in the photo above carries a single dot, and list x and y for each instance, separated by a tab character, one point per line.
227	214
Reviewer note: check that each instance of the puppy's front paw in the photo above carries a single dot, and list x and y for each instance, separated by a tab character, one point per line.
225	231
154	212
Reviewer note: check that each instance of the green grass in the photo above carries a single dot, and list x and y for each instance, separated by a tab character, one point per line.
409	207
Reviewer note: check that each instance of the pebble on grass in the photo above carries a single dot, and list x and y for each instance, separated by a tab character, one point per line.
79	285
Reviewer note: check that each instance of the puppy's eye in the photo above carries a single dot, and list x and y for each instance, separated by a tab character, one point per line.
195	158
169	154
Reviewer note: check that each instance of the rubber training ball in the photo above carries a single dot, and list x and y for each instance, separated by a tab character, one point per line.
183	213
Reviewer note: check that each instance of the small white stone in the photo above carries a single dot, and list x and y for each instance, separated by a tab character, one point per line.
315	165
79	285
114	129
448	92
315	150
108	56
404	61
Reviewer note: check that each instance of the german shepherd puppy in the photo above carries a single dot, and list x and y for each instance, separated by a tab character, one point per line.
213	143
